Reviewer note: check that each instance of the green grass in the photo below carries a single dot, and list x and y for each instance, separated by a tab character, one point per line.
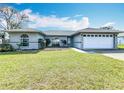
121	46
64	69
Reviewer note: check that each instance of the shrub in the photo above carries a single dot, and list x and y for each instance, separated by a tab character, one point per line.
42	43
121	46
64	42
6	48
48	42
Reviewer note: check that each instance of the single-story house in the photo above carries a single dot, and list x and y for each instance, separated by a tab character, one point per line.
89	38
121	38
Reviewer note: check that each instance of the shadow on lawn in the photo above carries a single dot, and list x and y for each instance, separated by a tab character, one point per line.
31	51
20	52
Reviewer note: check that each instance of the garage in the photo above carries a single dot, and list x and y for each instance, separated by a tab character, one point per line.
98	41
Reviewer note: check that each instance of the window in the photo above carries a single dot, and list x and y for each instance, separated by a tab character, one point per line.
88	35
84	35
92	35
96	35
24	40
99	35
107	35
110	35
103	35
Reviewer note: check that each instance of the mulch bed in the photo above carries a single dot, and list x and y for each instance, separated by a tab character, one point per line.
54	49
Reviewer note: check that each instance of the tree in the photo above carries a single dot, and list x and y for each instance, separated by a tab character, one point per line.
10	18
42	43
48	42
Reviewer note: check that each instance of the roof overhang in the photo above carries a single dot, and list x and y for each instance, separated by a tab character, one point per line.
87	30
98	31
24	31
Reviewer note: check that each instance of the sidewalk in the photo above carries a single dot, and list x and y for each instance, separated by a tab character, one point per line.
78	50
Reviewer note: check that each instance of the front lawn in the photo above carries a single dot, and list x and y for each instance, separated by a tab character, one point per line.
121	46
65	69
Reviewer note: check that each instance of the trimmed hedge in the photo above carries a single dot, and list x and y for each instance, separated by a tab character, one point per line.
6	48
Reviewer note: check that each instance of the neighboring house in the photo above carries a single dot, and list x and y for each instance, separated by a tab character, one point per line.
89	38
121	38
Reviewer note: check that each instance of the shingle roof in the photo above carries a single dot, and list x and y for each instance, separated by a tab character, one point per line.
99	30
59	33
64	32
25	30
50	32
20	30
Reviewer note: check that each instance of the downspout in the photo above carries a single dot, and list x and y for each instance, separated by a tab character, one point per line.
115	41
81	41
71	39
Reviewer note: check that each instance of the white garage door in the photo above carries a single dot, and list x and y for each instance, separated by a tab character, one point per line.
97	41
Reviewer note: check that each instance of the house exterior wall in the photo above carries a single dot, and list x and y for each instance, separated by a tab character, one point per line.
99	42
77	41
33	40
121	40
0	41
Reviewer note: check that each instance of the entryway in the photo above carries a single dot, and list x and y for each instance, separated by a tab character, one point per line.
56	42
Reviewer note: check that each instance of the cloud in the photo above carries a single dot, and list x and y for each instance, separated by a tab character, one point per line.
41	21
27	11
109	24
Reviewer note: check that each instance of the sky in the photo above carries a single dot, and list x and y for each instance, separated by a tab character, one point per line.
70	16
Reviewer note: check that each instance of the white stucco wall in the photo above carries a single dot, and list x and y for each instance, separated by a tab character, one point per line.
93	42
33	40
77	41
0	41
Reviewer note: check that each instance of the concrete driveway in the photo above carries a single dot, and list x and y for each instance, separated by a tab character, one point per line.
116	54
113	53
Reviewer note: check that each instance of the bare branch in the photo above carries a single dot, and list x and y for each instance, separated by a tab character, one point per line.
10	18
13	18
